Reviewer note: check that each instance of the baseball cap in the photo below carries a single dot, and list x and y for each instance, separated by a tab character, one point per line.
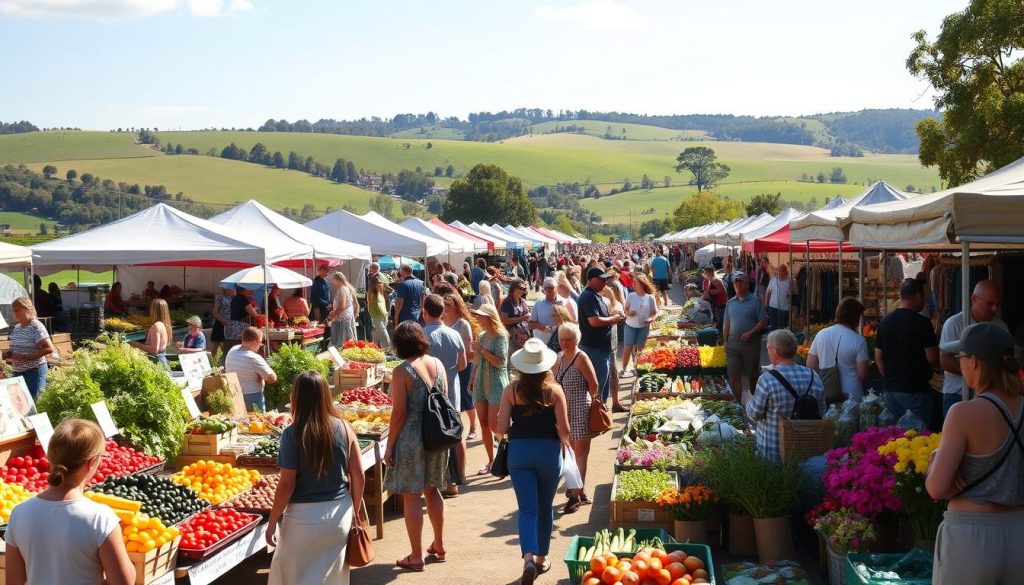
596	272
986	341
740	276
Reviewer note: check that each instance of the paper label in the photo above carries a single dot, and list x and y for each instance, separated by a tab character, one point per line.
195	367
214	567
190	403
339	362
106	422
44	430
645	515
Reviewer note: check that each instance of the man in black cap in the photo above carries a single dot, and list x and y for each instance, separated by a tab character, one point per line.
596	328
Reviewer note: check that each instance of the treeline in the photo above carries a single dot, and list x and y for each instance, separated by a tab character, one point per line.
84	201
17	127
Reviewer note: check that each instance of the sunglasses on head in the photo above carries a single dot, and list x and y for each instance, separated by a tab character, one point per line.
961	355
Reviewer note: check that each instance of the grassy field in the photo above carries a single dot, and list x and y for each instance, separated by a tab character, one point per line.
23	221
430	132
617	208
221	182
69	145
551	158
632	131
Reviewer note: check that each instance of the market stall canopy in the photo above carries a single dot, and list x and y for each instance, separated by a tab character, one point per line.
163	235
823	225
734	237
838	201
498	241
700	236
987	210
705	255
266	225
535	237
456	244
752	240
256	277
394	262
481	243
381	235
561	239
11	254
522	239
532	231
511	242
721	235
575	239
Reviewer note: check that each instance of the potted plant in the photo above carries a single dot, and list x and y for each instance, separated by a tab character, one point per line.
723	470
845	532
690	508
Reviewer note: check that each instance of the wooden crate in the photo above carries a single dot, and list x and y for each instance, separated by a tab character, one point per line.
638	514
154	564
227	457
801	439
346	379
206	445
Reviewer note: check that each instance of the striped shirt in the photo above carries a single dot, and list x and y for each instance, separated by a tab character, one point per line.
772	402
25	340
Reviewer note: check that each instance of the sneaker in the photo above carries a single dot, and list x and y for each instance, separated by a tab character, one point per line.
529	573
572	505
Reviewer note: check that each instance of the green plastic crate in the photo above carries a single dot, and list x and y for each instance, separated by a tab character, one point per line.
877	561
578	568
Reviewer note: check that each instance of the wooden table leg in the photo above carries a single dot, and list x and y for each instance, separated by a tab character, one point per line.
378	504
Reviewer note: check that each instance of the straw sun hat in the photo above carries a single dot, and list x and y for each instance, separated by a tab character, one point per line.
533	358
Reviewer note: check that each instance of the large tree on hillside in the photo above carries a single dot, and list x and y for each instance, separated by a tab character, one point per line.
765	203
975	68
702	162
489	195
703	208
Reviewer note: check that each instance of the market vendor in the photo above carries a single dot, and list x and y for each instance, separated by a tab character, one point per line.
115	304
30	344
159	335
151	293
295	305
275	311
243	313
252	370
195	340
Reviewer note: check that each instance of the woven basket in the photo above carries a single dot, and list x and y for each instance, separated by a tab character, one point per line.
801	439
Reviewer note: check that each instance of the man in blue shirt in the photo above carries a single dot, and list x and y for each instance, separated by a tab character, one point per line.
477	274
409	295
446	345
744	319
661	272
596	328
320	296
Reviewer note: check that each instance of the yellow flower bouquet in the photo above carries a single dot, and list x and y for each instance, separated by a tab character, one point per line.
909	456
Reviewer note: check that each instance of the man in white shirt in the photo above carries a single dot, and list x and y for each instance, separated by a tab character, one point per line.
776	299
985	302
542	318
252	370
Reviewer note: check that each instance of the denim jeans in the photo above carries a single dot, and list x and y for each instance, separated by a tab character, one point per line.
602	360
35	379
536	467
777	319
920	403
254	399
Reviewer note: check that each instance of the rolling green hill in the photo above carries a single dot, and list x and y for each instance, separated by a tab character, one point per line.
23	221
217	181
632	131
434	132
69	145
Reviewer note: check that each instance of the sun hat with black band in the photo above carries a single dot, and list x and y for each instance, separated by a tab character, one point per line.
596	272
988	342
533	358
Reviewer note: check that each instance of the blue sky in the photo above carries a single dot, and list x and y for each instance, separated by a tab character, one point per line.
103	64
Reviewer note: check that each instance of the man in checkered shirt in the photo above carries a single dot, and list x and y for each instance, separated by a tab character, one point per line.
772	401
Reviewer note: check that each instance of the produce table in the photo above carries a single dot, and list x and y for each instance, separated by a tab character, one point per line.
211	569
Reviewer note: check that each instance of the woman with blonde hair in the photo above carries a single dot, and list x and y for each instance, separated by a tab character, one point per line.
60	536
30	344
575	373
160	333
320	490
490	375
456	316
377	306
342	317
641	308
979	465
561	316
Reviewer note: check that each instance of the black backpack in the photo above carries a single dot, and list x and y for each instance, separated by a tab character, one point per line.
442	425
805	406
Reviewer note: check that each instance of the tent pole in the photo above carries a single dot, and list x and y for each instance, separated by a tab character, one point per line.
884	309
266	302
860	282
807	299
791	279
840	279
965	305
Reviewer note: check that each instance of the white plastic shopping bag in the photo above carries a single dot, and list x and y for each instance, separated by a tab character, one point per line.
571	471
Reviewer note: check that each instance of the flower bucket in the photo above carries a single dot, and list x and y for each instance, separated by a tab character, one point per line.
742	542
836	568
692	531
774	538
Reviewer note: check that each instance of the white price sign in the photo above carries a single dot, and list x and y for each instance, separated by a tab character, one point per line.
195	367
44	430
106	422
336	356
190	403
214	567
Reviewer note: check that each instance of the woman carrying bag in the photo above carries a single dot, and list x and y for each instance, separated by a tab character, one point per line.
320	491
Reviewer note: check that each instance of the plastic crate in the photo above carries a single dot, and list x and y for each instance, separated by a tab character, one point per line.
578	568
191	555
877	561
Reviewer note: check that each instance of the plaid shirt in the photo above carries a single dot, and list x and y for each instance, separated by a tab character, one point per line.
772	402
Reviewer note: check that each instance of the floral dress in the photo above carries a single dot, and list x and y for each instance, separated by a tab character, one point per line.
414	467
490	381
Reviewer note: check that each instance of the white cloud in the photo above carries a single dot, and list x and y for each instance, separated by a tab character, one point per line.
169	110
596	15
116	9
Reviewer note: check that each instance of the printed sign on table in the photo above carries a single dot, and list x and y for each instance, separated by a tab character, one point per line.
195	367
103	418
44	430
15	404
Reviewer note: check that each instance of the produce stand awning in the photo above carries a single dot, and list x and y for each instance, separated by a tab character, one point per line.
255	278
558	238
266	224
519	238
510	241
11	254
750	239
381	235
533	234
163	235
482	244
824	223
457	244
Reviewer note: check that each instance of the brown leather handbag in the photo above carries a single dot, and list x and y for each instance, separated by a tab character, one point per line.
600	418
359	551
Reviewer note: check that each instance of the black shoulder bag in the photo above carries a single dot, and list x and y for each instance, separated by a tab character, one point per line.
442	425
805	407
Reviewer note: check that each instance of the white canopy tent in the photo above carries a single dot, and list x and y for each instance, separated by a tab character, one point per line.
986	211
700	236
511	242
527	231
456	244
382	236
499	243
526	241
720	236
782	219
823	225
734	237
704	256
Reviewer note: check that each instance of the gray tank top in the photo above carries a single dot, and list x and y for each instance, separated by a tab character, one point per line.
997	478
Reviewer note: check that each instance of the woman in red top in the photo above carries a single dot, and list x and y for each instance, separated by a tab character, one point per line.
714	293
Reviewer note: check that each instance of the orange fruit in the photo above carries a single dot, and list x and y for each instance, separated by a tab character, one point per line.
701	574
692	563
586	575
598	565
654	565
640	566
681	581
660	555
630	578
624	565
677	570
663	577
592	581
610	576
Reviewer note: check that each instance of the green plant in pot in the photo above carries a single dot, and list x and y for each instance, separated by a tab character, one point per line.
289	361
722	469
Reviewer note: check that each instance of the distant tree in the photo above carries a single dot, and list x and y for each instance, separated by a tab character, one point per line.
135	189
211	151
350	171
667	181
308	212
308	164
87	179
294	161
837	176
909	188
430	145
258	154
701	161
627	186
409	208
338	174
765	203
705	207
42	229
406	145
646	183
71	174
488	194
975	69
821	177
449	171
412	186
383	204
591	191
278	159
49	171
